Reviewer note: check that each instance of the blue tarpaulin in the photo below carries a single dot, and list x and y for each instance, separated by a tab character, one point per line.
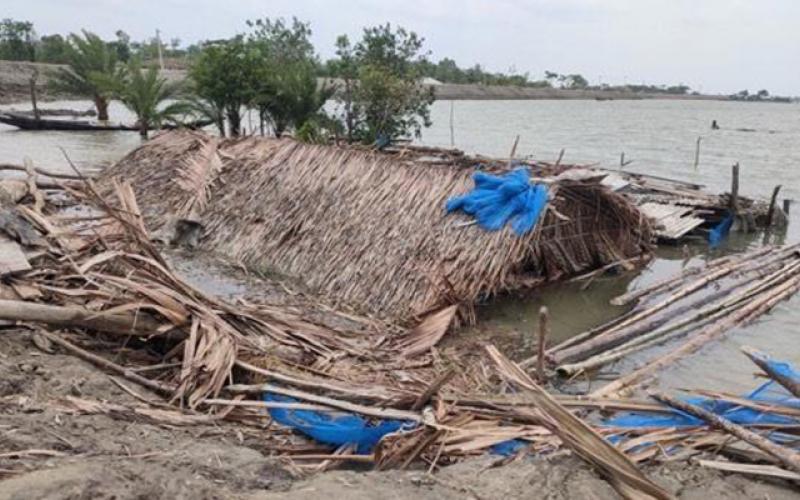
498	200
335	429
768	393
720	231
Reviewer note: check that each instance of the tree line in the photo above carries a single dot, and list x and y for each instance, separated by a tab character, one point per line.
272	71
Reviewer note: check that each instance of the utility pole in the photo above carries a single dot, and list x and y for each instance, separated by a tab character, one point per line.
160	56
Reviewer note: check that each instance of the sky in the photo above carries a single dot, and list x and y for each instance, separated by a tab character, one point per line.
714	46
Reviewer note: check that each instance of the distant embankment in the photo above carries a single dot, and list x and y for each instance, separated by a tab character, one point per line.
15	80
452	91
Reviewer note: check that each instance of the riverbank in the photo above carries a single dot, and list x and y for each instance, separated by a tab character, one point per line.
15	77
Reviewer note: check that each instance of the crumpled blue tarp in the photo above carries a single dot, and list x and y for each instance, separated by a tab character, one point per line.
496	200
508	448
335	428
720	231
768	393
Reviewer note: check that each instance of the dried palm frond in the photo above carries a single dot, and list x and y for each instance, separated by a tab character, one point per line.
197	175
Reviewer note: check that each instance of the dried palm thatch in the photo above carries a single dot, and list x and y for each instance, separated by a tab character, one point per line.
367	229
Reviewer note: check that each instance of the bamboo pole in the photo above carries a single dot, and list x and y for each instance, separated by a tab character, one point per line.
742	315
140	325
786	456
663	332
673	282
623	331
323	400
762	361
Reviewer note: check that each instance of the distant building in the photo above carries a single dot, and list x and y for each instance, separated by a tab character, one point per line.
430	81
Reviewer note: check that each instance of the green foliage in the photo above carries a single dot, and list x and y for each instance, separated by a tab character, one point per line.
225	75
382	96
91	66
52	49
147	95
16	40
206	110
287	94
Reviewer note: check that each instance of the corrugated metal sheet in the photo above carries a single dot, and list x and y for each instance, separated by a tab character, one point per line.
672	221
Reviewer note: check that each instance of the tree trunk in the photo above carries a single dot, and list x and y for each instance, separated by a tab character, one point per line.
101	103
143	129
234	122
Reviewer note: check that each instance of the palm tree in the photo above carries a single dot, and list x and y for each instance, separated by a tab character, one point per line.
144	92
294	98
207	110
91	63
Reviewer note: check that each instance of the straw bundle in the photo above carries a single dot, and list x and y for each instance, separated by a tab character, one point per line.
367	229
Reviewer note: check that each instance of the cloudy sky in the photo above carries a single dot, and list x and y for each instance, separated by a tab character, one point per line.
711	45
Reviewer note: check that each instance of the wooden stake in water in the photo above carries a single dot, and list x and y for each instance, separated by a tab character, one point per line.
697	153
560	157
32	82
735	188
544	319
452	128
772	202
513	151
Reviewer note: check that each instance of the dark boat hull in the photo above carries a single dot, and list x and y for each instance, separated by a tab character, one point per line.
30	123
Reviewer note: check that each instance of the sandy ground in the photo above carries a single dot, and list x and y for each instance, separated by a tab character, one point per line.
47	452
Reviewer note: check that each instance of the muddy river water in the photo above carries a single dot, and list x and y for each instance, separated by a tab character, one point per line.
659	136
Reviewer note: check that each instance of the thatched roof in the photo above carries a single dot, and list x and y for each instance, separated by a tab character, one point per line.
368	229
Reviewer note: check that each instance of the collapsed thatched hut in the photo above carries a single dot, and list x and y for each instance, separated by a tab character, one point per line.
369	229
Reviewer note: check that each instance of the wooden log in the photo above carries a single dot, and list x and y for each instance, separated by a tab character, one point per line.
544	330
786	456
140	325
748	312
772	202
762	361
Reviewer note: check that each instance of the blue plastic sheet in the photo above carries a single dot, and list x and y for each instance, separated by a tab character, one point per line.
508	448
768	393
335	429
498	200
720	231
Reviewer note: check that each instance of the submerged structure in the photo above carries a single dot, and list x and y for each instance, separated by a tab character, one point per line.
369	229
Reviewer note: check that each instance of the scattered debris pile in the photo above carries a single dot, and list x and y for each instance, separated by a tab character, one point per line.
99	289
683	210
763	425
367	229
